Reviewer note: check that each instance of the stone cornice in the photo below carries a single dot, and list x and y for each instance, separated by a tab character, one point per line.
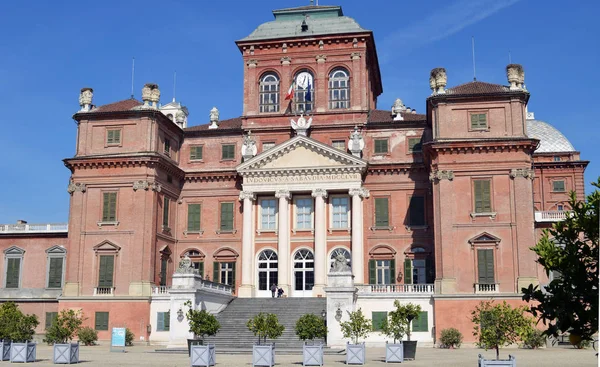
211	176
483	146
565	164
391	168
150	159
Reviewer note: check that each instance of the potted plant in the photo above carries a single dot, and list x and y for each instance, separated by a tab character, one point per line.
61	333
498	325
19	328
407	313
394	327
264	325
356	328
202	324
309	327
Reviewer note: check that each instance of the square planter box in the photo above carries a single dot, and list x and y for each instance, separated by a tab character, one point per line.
410	349
66	353
263	355
355	353
202	355
22	352
312	355
510	362
4	350
394	352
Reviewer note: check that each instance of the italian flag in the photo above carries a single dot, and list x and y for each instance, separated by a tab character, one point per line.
290	93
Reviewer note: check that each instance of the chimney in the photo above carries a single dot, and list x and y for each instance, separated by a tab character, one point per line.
214	118
150	95
85	99
516	76
438	80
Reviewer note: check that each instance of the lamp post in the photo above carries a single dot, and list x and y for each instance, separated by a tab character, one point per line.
324	316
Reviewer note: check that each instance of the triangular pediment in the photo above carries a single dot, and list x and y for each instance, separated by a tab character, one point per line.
56	250
484	238
14	250
107	246
303	153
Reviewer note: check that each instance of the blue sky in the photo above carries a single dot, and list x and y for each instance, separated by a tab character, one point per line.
52	49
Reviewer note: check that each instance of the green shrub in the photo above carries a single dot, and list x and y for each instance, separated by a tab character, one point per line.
15	325
129	336
88	336
310	326
265	325
450	338
64	327
532	338
358	327
201	322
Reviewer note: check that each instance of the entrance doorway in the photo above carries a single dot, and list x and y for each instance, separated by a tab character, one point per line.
267	272
304	273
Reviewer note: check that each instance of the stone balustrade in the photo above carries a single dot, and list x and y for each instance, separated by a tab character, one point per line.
34	228
396	288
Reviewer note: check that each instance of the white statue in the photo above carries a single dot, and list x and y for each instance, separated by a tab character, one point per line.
302	125
340	264
214	118
85	98
249	149
356	143
397	108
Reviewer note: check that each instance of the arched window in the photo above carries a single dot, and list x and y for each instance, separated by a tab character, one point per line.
267	270
339	89
304	91
269	93
338	251
304	274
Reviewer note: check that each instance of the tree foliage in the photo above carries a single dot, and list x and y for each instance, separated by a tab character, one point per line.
129	337
202	323
398	321
498	325
87	336
357	327
310	326
265	325
570	301
450	338
64	327
15	325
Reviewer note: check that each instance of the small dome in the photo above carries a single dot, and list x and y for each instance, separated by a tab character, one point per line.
551	140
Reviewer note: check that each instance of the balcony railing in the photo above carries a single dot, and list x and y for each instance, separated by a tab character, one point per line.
34	228
396	288
218	286
484	288
161	290
104	291
550	216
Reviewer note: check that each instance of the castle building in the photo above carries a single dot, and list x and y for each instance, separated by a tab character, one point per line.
439	207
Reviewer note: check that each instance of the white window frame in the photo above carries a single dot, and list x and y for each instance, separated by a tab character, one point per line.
260	215
264	90
13	252
383	267
349	214
225	268
296	213
56	252
336	76
343	146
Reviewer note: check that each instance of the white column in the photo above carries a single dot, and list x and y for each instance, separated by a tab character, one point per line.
247	288
320	241
358	251
283	242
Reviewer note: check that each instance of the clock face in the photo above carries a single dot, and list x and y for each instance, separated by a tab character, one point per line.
304	79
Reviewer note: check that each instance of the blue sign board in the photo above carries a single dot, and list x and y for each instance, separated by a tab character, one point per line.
118	337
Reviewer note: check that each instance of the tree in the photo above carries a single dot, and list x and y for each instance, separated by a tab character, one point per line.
498	325
398	321
407	312
310	326
570	247
357	327
265	325
64	327
14	325
202	323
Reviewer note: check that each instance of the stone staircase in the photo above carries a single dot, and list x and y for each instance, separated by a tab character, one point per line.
235	334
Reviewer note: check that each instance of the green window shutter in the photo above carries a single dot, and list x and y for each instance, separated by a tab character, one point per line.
50	316
12	272
381	212
558	186
478	196
55	272
163	272
393	271
167	146
414	144
407	271
489	266
117	137
160	321
233	274
420	323
196	153
105	277
167	321
226	216
483	200
417	211
478	121
372	272
101	322
110	137
201	269
105	206
381	146
485	266
193	217
109	207
166	212
228	151
429	271
487	199
216	277
377	319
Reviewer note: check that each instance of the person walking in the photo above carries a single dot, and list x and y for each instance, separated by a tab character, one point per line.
273	290
280	293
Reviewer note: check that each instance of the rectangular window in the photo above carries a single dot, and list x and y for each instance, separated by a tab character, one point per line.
163	321
106	271
419	271
560	207
196	153
113	136
339	144
13	272
420	322
268	214
167	147
226	273
50	316
556	158
101	322
417	211
340	208
414	145
382	212
381	146
227	152
304	210
485	266
267	146
109	207
193	217
226	217
166	203
378	318
382	271
558	186
55	270
483	200
478	121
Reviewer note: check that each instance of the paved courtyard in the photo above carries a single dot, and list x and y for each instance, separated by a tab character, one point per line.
145	356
